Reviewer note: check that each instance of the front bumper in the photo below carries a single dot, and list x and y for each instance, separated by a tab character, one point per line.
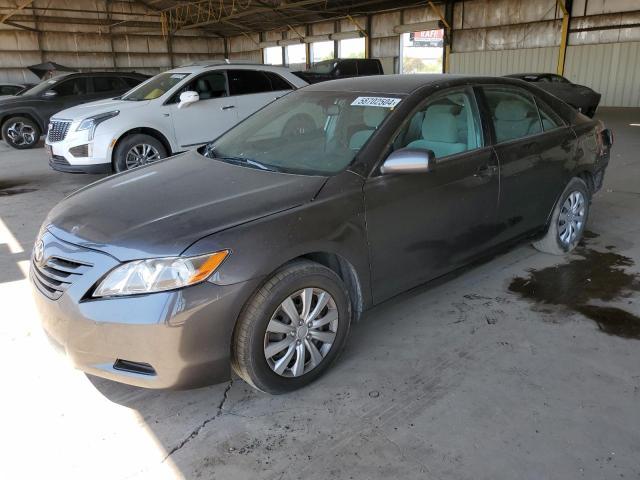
77	154
184	336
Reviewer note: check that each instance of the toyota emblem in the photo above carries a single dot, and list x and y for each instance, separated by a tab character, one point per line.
38	251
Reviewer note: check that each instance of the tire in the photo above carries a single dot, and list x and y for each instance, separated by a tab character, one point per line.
553	242
140	143
252	340
21	133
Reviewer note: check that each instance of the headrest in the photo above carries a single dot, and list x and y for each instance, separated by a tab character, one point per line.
439	126
203	85
511	111
373	116
442	108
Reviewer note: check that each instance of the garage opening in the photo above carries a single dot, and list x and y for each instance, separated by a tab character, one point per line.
422	52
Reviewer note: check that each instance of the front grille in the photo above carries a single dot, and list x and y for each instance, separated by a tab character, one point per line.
56	275
58	130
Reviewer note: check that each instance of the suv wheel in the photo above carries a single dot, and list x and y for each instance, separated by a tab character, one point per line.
292	328
21	133
137	150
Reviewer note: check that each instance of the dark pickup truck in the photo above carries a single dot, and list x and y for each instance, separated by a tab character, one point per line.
341	68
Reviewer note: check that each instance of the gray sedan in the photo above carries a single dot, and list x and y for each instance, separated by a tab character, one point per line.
258	251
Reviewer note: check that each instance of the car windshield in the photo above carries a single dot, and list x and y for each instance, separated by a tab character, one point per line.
312	133
155	87
325	66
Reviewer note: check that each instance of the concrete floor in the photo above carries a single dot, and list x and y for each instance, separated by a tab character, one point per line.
459	380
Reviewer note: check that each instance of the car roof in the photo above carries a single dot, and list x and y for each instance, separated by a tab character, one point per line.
96	74
400	84
218	64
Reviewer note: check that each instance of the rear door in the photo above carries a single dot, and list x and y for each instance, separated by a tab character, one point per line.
422	225
105	86
253	89
532	160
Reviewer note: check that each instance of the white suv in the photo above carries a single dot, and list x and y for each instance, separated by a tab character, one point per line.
172	112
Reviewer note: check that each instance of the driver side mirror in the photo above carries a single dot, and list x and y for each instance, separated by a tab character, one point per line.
409	160
50	94
187	98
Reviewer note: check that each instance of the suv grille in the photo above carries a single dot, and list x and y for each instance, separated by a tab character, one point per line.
58	130
56	275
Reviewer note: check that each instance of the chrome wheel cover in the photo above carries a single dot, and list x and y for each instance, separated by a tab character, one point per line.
301	332
571	219
21	134
141	154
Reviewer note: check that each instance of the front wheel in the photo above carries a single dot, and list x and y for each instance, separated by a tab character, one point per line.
21	133
137	150
568	220
292	329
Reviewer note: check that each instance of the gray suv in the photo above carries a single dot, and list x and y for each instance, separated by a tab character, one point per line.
24	118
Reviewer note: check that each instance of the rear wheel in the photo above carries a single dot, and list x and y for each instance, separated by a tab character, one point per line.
137	150
21	133
568	220
292	329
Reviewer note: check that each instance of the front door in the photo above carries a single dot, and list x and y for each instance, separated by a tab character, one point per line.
422	225
206	119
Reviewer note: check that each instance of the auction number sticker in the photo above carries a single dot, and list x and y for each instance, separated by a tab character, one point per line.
385	102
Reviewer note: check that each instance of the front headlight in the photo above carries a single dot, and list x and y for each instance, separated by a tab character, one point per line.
92	122
159	274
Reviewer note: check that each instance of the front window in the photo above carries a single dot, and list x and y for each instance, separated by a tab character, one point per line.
155	87
447	125
313	133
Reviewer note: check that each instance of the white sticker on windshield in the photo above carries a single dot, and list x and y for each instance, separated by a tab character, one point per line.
179	76
385	102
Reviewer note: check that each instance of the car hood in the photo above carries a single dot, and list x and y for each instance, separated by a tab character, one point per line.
95	108
161	209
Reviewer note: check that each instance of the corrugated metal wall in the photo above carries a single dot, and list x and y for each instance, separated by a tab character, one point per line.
613	69
503	62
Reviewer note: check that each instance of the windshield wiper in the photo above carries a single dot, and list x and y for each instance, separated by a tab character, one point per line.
210	152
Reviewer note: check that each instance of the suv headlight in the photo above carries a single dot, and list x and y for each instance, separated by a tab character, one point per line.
159	274
92	122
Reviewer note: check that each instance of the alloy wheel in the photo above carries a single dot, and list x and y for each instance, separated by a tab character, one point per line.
571	218
141	154
21	134
301	332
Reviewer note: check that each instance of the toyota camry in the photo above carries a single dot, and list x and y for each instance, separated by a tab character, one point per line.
259	250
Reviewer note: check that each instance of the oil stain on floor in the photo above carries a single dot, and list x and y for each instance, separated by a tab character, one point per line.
591	276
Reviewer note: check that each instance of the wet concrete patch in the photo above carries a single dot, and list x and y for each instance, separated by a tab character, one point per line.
8	188
591	276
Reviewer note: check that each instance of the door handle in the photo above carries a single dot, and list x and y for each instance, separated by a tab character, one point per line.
486	171
228	107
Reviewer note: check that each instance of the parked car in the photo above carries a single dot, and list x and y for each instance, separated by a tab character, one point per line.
582	98
341	68
172	112
25	117
11	89
258	250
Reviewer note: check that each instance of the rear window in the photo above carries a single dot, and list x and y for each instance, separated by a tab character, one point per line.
277	82
107	84
243	82
368	67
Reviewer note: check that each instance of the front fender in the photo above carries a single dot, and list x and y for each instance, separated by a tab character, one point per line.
333	223
23	111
